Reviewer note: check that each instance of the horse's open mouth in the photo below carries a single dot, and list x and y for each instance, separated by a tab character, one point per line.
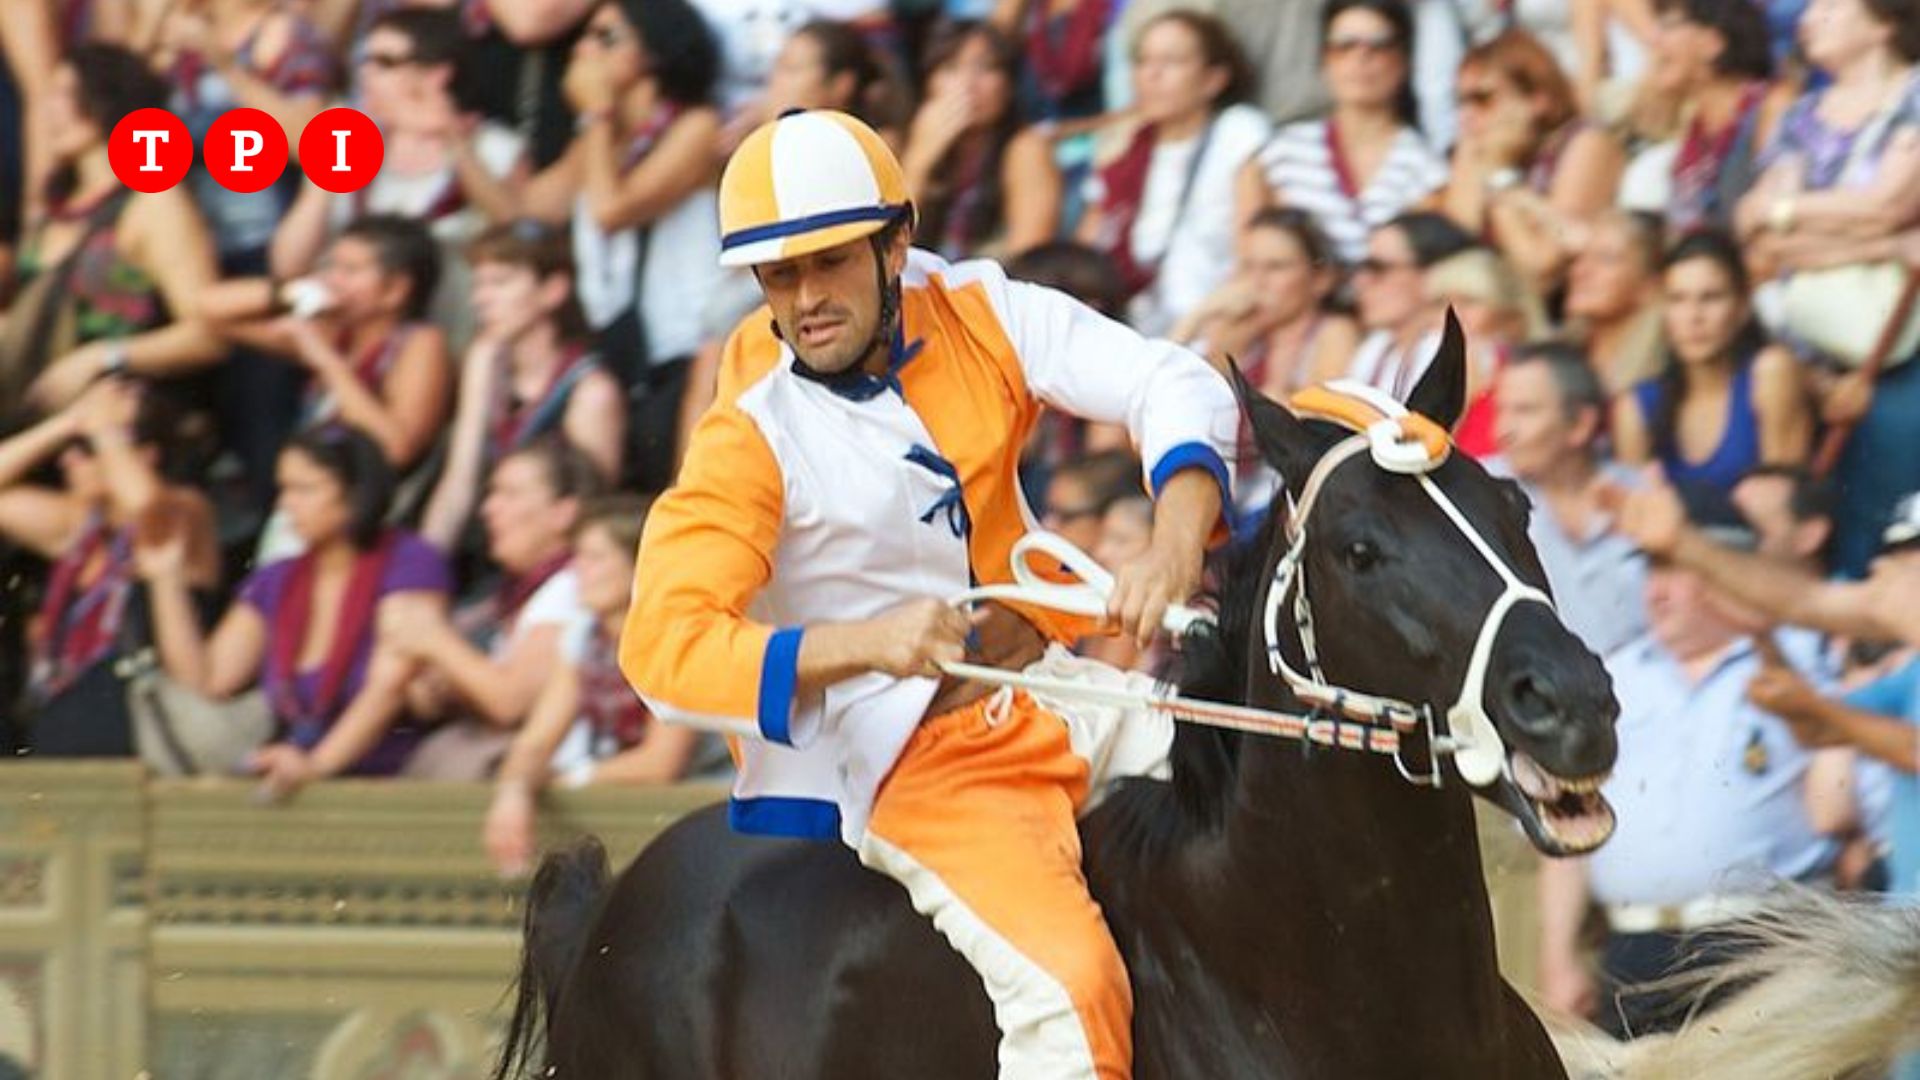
1570	815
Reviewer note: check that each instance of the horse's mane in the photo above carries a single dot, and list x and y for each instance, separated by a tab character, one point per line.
1148	817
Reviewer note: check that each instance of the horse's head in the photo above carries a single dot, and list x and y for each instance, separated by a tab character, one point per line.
1422	589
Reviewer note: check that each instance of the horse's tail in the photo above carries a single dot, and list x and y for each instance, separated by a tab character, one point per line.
560	904
1829	987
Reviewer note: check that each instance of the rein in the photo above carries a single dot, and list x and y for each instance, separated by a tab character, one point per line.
1397	441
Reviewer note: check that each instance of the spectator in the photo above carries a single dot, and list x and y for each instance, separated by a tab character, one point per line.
255	55
637	185
1791	512
1401	321
1063	47
1498	315
359	327
1613	298
1080	493
303	628
106	274
110	445
1844	173
1708	794
587	726
1162	209
1550	432
530	371
520	64
1881	719
533	622
1273	318
1364	163
272	57
1726	400
1710	86
982	184
441	168
823	65
1612	40
1527	168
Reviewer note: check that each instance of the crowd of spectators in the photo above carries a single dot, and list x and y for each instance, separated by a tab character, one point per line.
369	468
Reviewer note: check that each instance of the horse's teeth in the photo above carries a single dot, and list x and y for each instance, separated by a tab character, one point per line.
1534	780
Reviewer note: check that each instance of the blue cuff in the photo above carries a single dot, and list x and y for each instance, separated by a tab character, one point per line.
779	676
800	819
1193	455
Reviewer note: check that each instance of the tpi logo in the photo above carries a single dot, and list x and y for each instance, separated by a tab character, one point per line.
245	150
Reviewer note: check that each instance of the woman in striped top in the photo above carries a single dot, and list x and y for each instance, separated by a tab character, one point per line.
1364	164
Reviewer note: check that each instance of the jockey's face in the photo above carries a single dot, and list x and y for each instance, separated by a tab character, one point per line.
827	304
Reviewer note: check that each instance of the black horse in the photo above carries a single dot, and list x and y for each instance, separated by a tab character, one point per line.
1284	912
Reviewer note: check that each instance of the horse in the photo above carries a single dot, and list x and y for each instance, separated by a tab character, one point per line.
1285	910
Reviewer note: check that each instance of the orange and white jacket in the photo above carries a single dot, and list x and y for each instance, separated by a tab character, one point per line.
806	500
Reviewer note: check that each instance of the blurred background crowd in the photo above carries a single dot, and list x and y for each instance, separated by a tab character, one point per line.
307	485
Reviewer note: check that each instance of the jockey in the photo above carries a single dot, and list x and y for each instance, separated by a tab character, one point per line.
858	467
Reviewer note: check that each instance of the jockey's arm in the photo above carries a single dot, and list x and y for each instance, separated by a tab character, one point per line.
1178	410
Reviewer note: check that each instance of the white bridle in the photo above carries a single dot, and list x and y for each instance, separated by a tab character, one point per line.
1340	717
1478	752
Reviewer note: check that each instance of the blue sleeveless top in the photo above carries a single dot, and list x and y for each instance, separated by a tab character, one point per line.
1739	449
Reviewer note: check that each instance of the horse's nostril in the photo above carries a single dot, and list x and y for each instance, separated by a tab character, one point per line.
1531	698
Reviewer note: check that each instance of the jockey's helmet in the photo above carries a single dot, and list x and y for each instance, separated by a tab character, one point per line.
810	180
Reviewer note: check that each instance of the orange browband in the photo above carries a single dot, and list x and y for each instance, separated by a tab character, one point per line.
1324	403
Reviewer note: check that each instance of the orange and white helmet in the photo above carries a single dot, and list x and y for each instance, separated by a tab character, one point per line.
806	182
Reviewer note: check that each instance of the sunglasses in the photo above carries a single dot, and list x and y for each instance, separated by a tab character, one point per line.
1477	99
1342	44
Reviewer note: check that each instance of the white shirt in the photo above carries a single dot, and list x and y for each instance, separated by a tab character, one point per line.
1194	245
1708	789
1298	164
682	269
555	603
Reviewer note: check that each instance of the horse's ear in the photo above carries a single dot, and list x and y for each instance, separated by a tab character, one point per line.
1441	394
1283	440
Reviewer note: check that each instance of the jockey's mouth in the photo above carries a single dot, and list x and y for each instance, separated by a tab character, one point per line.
1562	816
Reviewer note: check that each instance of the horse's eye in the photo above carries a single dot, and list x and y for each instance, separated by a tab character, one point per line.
1360	555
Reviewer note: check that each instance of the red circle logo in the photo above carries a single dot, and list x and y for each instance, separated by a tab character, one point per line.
245	150
341	150
150	150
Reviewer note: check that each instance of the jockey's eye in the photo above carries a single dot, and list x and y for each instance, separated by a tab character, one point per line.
1360	555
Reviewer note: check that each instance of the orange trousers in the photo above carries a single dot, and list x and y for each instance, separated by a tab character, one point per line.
976	820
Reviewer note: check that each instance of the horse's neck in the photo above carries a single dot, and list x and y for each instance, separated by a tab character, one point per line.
1363	888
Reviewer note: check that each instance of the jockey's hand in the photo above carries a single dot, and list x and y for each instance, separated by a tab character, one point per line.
1169	573
914	638
1144	588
